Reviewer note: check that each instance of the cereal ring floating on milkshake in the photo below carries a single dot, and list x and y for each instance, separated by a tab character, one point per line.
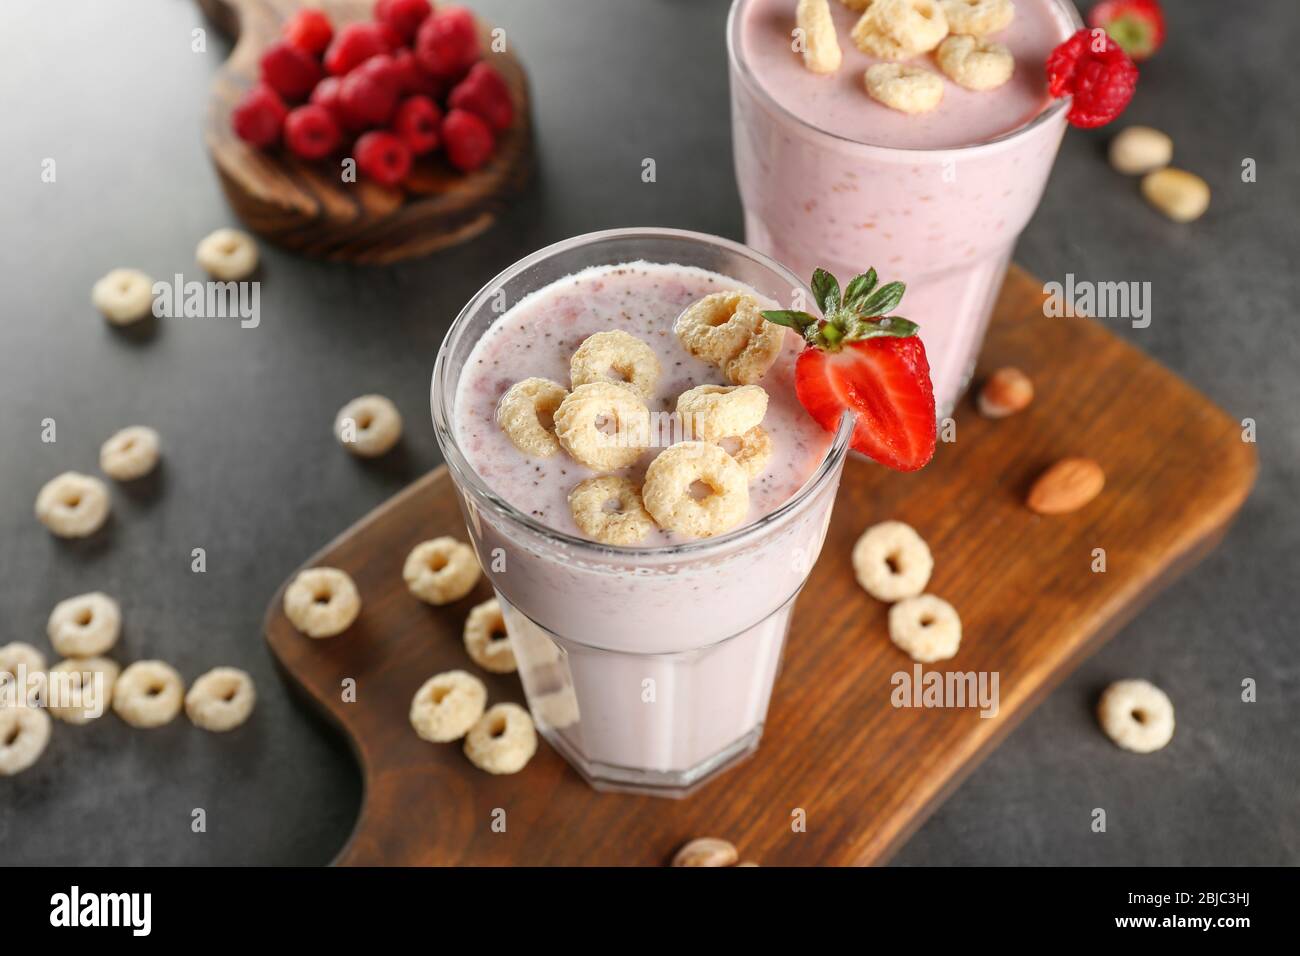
84	626
631	361
130	454
728	330
322	602
447	705
148	694
821	52
714	412
752	450
73	505
76	677
486	639
1137	715
441	570
975	63
526	413
625	523
24	733
978	17
503	740
908	89
899	29
582	420
671	482
221	699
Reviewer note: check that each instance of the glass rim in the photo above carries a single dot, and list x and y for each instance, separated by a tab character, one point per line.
467	478
742	69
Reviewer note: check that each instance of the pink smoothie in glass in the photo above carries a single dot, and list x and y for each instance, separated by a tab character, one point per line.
830	177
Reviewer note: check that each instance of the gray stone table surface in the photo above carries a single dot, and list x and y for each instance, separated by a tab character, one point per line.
111	90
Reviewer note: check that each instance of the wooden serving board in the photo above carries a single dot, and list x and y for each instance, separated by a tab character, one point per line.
307	207
866	774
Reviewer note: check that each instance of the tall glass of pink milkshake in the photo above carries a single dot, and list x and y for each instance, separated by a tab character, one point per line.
829	177
649	667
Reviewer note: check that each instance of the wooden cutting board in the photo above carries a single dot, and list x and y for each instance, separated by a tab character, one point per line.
864	773
306	206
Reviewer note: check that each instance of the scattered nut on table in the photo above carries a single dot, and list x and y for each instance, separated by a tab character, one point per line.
1180	195
706	851
1007	391
1140	149
1066	486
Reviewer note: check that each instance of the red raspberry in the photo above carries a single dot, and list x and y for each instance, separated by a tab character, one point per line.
417	122
404	16
383	70
392	39
1092	68
447	43
311	132
383	157
484	93
411	78
353	45
326	94
365	100
289	71
258	117
309	30
467	140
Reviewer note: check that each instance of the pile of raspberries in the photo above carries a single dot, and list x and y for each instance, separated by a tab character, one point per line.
406	85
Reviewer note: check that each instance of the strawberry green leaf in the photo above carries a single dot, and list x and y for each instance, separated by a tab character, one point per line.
826	290
893	326
791	319
885	299
859	289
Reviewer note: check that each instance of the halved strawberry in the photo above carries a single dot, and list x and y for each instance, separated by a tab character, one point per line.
1138	26
873	366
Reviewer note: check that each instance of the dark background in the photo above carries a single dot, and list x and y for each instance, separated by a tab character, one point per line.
111	90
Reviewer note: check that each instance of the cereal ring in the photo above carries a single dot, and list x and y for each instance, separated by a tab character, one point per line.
368	426
130	454
227	254
714	412
487	640
581	419
856	5
322	602
221	699
821	52
728	330
24	732
22	675
908	89
441	571
1137	715
751	450
975	63
76	700
669	496
609	509
526	413
123	296
447	705
892	562
73	505
502	740
927	628
898	29
631	361
148	694
84	626
978	17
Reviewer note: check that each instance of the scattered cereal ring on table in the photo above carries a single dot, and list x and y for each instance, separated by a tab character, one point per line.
322	602
899	29
486	638
123	296
978	17
975	63
130	454
74	697
728	330
603	426
927	628
221	699
908	89
148	694
24	733
73	505
1137	715
751	450
630	361
441	570
368	426
526	413
227	254
714	412
892	562
84	626
503	740
609	509
447	705
678	473
22	675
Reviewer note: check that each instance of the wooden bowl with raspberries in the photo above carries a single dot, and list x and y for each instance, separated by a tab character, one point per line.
364	131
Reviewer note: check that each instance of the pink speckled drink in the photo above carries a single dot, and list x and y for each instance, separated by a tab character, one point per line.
648	667
829	177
